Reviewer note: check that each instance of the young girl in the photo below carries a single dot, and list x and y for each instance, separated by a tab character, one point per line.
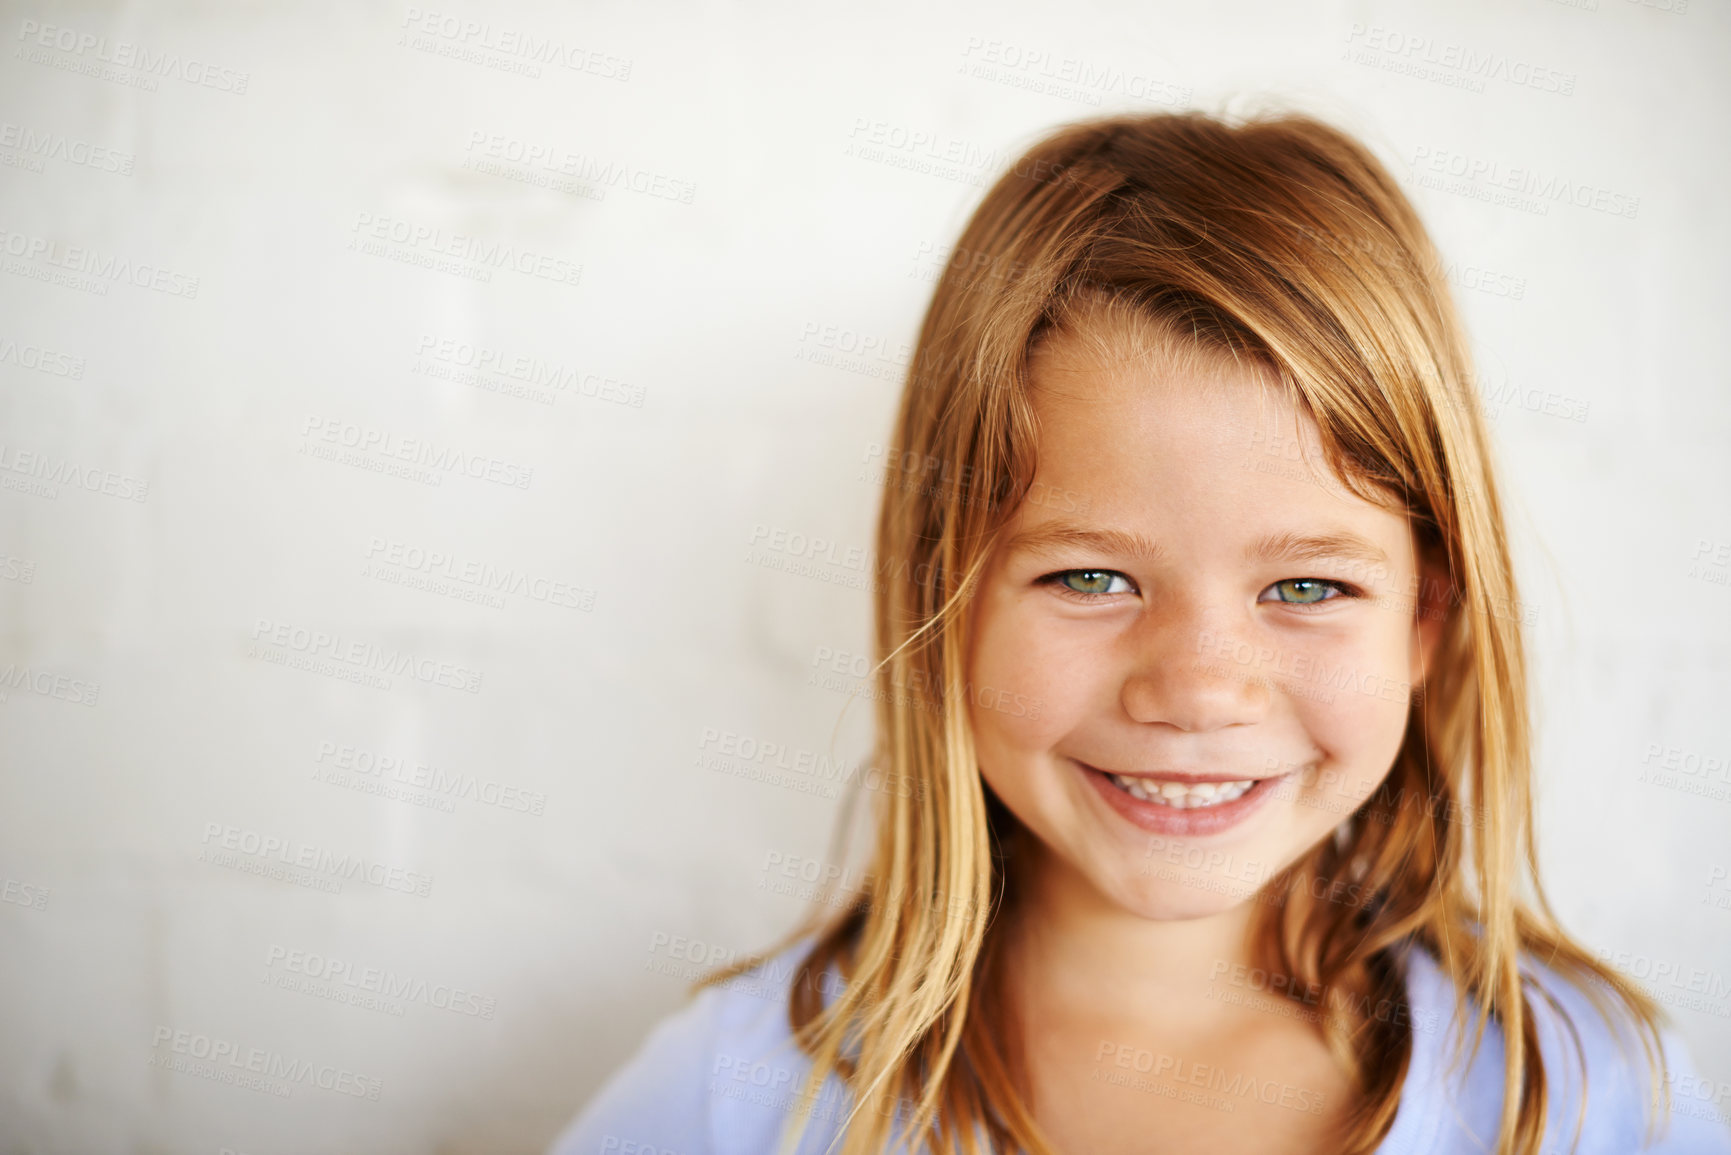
1203	750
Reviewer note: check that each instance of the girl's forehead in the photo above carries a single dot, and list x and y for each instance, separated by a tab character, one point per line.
1112	352
1216	435
1127	406
1108	392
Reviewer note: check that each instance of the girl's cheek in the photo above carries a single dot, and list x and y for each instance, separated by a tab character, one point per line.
1027	686
1356	713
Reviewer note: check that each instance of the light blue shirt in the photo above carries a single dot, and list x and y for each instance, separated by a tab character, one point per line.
720	1076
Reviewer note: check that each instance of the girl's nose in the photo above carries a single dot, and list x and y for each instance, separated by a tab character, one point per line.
1177	681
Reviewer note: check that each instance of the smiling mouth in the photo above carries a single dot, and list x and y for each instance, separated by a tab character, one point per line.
1186	805
1181	795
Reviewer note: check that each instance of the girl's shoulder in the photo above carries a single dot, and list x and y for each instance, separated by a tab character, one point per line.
1450	1103
719	1076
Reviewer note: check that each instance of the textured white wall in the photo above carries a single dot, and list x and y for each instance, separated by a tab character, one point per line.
231	232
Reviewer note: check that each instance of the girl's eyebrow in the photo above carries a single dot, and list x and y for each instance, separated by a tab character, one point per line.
1059	535
1341	545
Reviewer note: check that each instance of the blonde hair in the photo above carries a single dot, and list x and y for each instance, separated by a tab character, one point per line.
1284	240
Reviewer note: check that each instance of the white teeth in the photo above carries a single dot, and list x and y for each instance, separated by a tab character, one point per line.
1182	795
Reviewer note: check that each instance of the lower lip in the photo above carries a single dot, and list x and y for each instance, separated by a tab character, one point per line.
1193	821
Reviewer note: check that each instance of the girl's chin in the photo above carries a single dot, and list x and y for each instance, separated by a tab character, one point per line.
1178	902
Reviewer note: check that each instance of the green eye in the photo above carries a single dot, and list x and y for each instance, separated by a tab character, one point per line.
1305	591
1088	581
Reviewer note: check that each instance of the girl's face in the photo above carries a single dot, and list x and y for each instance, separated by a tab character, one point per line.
1193	649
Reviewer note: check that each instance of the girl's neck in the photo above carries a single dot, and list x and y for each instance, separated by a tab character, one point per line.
1075	946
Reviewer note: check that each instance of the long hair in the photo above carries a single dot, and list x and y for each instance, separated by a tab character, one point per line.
1285	240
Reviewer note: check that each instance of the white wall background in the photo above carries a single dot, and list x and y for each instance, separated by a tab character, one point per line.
145	723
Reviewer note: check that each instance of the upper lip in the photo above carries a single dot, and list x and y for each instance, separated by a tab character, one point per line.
1179	775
